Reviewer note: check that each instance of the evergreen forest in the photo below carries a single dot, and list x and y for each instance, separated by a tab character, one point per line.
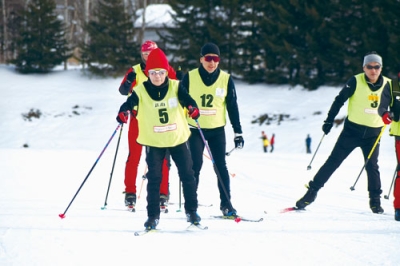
308	42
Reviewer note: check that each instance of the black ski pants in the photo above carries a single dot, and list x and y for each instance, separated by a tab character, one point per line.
181	156
216	140
345	144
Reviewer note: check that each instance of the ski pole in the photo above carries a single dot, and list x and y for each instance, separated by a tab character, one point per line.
112	168
180	196
143	178
391	185
62	215
231	174
369	156
229	153
215	168
309	165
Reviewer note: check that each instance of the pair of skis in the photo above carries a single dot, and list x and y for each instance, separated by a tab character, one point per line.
236	218
153	230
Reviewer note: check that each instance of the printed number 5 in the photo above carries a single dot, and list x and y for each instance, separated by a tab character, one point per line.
162	113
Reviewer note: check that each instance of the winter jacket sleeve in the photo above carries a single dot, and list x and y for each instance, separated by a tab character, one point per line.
126	87
386	99
184	97
346	92
130	103
232	107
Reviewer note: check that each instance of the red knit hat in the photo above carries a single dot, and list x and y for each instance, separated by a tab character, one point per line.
156	59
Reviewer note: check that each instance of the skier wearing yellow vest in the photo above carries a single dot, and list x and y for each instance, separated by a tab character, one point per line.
215	94
265	141
361	129
392	99
163	128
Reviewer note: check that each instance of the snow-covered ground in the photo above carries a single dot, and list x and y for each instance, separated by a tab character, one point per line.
78	118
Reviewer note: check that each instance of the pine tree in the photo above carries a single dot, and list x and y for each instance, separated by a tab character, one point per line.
111	48
41	45
197	23
251	53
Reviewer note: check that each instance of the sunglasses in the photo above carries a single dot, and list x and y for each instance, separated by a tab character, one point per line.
210	58
377	67
159	72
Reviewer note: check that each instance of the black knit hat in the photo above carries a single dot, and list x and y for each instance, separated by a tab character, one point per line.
209	48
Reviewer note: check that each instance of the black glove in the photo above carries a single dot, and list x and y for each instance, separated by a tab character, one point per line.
239	142
131	77
326	127
179	74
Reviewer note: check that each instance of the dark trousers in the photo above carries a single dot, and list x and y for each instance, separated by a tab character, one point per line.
345	144
181	156
308	149
217	142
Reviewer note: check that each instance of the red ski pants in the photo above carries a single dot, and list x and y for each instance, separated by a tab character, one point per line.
132	163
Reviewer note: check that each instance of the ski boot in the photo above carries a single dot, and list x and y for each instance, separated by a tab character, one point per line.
397	214
163	203
228	211
151	223
193	217
307	199
130	201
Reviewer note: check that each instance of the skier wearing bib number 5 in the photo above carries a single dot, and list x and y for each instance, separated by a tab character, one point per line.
163	128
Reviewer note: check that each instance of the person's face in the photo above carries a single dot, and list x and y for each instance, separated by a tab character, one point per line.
145	56
157	76
372	70
210	62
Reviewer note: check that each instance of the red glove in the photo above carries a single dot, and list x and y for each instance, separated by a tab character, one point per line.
122	117
387	118
194	112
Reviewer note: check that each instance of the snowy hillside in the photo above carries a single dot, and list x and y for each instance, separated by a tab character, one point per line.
77	118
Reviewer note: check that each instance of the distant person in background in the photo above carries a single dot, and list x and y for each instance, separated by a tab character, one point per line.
272	142
392	99
134	77
362	127
265	141
308	143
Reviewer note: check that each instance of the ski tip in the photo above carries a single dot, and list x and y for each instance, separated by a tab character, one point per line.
291	209
288	209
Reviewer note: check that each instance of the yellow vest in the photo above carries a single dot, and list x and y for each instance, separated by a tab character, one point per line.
161	123
140	76
265	142
363	104
394	128
210	100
